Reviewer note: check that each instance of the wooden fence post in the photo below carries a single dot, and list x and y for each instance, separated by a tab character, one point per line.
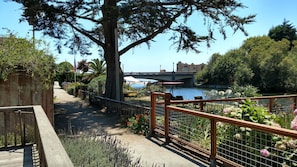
166	117
294	103
153	113
270	105
213	149
6	123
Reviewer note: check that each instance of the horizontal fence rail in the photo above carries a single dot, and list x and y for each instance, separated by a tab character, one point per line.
121	107
25	125
225	140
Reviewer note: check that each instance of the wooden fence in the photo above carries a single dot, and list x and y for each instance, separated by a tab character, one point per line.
25	125
20	89
176	124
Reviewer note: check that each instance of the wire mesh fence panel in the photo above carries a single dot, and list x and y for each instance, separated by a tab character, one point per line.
283	105
190	128
250	147
217	107
160	116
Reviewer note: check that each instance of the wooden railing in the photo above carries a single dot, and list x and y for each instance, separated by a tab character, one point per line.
163	109
23	125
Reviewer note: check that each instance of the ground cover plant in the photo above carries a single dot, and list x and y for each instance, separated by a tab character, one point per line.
98	150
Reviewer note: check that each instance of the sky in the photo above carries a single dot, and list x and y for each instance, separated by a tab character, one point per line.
161	54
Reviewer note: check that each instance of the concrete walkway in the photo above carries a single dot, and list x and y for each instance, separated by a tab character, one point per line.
75	113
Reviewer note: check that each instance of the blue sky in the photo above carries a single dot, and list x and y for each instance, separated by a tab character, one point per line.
161	55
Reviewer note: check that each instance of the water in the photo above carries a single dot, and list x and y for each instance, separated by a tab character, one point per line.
187	93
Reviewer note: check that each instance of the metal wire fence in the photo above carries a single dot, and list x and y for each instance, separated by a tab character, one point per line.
115	106
251	147
229	140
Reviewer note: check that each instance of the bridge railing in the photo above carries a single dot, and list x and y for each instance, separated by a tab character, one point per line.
26	125
224	140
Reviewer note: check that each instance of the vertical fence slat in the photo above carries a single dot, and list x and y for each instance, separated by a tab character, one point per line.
166	117
24	129
294	103
5	128
270	105
15	128
21	129
153	113
213	137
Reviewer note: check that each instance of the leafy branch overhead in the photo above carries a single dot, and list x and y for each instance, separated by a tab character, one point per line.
138	21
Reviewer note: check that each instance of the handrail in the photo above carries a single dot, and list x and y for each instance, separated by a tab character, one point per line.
252	125
203	101
51	150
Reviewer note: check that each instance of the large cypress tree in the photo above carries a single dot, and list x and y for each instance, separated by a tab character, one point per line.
81	23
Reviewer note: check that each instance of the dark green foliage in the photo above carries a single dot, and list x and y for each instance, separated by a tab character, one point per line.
64	72
285	30
261	62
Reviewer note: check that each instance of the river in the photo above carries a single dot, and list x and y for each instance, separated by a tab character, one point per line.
187	93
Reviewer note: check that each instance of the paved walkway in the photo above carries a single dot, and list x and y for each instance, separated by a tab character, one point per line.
75	113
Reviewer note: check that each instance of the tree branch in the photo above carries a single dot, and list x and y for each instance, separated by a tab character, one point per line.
83	32
154	34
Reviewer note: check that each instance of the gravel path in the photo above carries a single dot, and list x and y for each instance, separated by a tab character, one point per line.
74	112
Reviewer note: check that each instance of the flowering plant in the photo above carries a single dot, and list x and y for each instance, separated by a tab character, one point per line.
139	124
285	144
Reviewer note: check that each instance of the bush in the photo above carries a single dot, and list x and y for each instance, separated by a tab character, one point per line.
93	85
233	92
139	124
72	88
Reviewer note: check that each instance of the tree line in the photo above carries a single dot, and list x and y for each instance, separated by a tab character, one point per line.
268	62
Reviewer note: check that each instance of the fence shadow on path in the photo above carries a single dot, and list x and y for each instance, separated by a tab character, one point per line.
76	117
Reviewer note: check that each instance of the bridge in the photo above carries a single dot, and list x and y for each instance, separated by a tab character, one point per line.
186	77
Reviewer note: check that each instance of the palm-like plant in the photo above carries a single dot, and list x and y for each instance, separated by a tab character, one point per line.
97	68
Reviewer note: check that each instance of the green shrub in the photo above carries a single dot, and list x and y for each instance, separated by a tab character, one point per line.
93	85
73	87
139	124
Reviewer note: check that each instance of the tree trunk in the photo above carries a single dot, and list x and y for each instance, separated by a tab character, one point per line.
110	25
